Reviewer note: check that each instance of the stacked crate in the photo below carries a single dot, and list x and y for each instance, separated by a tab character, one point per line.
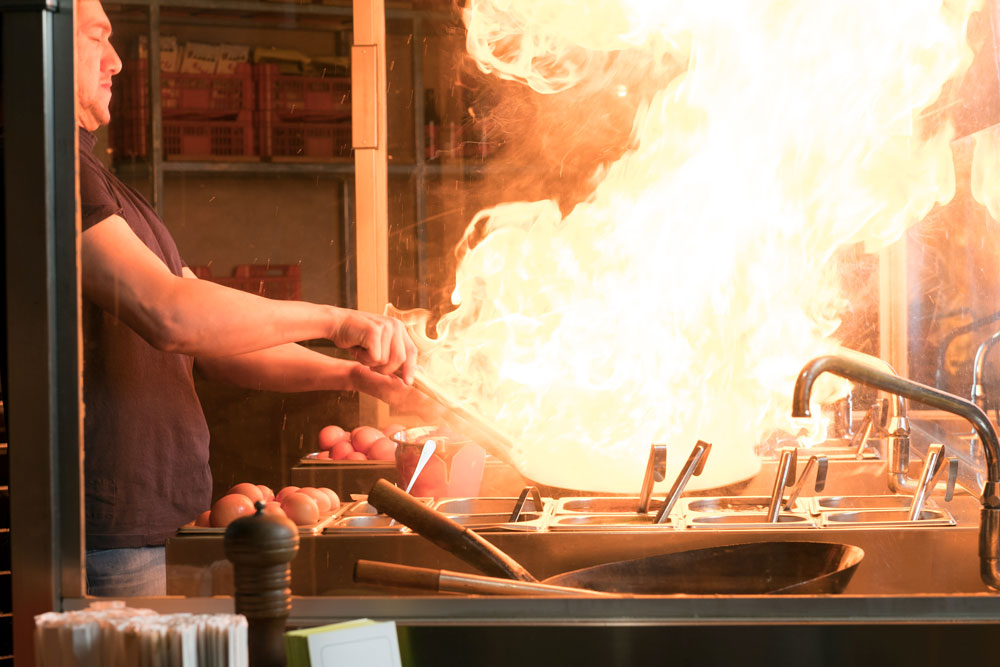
305	118
205	116
274	281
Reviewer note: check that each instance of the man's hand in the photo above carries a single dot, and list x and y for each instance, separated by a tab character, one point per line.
380	343
403	398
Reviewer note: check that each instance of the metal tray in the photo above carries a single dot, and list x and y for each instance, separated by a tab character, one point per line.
313	529
851	503
748	521
532	521
488	505
610	522
887	518
604	505
366	523
733	505
362	508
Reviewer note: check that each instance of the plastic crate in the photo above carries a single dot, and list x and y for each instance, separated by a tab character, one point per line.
212	140
207	96
302	98
274	281
284	141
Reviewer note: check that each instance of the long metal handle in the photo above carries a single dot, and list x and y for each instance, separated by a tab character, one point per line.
785	477
821	463
694	466
407	576
932	465
656	471
471	424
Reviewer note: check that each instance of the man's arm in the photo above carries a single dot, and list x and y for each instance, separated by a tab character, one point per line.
204	319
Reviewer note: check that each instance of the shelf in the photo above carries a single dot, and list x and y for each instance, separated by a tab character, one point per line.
285	8
345	168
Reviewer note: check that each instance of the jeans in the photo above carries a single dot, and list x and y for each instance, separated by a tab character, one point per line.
127	572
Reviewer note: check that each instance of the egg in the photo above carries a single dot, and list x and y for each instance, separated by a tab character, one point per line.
355	456
323	455
284	492
266	492
301	508
228	508
363	437
249	490
384	449
341	450
332	495
392	429
274	508
322	500
204	520
331	435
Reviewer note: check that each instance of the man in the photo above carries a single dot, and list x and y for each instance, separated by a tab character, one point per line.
147	321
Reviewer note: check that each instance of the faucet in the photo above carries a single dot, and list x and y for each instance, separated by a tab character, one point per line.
897	431
989	525
978	392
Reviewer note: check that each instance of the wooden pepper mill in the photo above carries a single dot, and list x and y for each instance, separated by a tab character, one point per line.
261	548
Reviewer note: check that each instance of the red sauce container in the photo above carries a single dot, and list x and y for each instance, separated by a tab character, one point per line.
454	470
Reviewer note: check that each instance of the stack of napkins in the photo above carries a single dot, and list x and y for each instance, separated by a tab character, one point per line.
109	634
360	643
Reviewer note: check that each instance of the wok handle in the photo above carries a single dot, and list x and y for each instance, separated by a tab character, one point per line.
445	533
407	576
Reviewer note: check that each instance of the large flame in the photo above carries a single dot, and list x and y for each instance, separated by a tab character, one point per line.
679	301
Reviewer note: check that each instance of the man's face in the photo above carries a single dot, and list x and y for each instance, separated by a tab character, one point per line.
96	63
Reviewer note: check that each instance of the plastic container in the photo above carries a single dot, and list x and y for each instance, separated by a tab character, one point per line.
291	141
209	139
302	98
455	469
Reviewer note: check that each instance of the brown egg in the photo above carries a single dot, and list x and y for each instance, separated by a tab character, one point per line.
363	437
203	520
331	435
332	495
322	500
266	492
274	508
341	450
251	491
228	508
384	449
280	496
301	508
323	455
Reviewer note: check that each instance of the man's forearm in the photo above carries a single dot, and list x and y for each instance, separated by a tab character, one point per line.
284	368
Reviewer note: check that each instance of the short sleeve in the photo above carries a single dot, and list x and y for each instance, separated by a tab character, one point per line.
97	201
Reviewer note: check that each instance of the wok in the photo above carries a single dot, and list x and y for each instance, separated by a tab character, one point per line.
755	568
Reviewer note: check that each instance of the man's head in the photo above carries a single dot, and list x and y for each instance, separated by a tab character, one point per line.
96	62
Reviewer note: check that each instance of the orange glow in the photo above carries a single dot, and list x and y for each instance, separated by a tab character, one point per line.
680	300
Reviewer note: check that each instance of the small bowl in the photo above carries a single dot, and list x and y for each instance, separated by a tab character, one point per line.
455	469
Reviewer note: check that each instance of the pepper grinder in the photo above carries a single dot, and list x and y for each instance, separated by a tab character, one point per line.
261	547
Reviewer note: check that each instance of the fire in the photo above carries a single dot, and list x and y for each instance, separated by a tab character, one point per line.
680	299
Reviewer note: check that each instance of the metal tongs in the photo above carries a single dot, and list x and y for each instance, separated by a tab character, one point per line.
787	464
693	467
933	465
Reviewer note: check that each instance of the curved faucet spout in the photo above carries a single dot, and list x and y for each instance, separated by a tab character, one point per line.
865	374
989	528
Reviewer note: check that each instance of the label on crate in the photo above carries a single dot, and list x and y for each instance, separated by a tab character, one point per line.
230	55
200	58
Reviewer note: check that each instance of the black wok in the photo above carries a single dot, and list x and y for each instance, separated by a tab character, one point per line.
754	568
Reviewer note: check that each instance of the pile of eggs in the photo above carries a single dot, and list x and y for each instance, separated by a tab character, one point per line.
365	443
303	505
